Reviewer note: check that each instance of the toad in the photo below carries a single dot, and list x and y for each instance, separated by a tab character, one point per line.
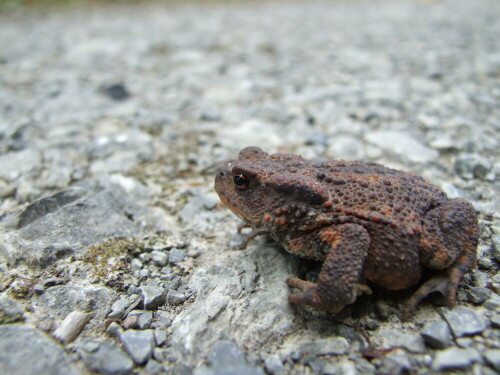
364	221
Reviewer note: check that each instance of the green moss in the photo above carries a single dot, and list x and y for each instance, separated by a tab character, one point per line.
110	256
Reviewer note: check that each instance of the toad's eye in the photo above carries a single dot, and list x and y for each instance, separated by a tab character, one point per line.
241	181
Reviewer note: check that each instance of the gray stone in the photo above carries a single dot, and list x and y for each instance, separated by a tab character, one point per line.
274	364
345	147
160	336
402	144
153	296
20	163
120	152
163	320
478	295
455	358
145	319
176	255
59	225
104	357
492	303
227	302
119	306
154	368
492	356
329	346
10	310
495	320
464	321
138	344
396	362
210	113
413	342
437	334
25	350
469	166
175	298
58	301
160	258
496	247
225	358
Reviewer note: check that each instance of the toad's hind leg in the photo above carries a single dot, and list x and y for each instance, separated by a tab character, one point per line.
448	242
346	247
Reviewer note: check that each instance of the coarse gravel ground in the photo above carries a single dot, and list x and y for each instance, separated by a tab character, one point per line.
113	119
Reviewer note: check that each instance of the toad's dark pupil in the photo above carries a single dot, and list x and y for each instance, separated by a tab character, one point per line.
241	181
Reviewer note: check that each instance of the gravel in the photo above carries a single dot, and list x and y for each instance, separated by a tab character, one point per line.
110	136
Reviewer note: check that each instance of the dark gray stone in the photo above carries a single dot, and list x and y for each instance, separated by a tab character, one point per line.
175	298
116	91
437	334
154	296
138	344
478	295
59	225
225	358
464	321
104	357
24	350
10	310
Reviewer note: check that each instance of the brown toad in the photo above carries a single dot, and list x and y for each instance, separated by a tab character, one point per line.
363	220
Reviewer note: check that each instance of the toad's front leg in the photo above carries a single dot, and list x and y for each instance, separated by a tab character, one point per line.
346	248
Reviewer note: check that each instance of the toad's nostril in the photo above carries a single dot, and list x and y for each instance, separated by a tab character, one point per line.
221	174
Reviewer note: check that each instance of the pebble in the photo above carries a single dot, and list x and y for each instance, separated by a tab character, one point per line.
154	368
437	334
175	298
160	337
119	306
464	321
469	166
403	144
104	357
138	344
345	147
395	363
455	358
478	295
27	162
116	91
153	296
160	258
176	255
145	319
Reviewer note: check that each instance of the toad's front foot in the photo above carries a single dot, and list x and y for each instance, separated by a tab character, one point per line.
309	295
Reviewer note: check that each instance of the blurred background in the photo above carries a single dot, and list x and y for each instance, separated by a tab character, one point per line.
113	118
